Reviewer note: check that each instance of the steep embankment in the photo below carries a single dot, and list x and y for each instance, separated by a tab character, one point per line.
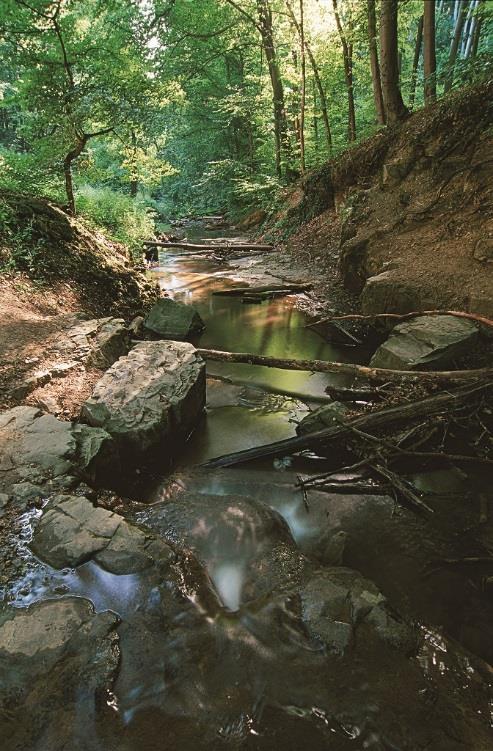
52	266
407	217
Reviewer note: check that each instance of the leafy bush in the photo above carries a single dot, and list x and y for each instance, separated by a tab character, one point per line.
19	251
128	220
27	172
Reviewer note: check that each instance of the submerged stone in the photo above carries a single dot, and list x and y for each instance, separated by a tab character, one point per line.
150	399
426	341
173	320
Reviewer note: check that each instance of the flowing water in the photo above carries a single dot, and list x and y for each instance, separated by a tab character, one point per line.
261	644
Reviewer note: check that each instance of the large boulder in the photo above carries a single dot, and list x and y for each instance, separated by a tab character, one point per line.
426	341
37	448
72	531
57	659
151	399
168	319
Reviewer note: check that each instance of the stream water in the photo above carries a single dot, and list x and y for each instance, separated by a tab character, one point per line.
266	646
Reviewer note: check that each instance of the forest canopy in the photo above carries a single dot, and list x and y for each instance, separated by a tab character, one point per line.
125	110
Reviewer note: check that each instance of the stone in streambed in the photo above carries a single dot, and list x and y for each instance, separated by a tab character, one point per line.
150	399
324	417
426	341
168	319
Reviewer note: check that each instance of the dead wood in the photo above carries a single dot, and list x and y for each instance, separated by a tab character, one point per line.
406	316
209	246
265	289
383	419
328	366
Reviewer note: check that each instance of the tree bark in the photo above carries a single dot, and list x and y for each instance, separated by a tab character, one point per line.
454	46
134	183
303	88
417	54
379	375
347	53
72	155
429	52
374	64
394	106
477	29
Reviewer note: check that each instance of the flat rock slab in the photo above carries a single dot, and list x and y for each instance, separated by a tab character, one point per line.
173	320
150	399
72	531
56	658
323	417
37	448
426	341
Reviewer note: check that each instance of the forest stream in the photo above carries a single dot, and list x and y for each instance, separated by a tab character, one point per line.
231	652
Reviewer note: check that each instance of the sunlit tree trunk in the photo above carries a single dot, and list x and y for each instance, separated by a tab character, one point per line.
394	106
477	28
417	55
374	64
454	46
134	183
347	52
303	88
429	52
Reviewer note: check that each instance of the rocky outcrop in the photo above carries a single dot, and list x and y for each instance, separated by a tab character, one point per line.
57	658
426	341
168	319
72	531
151	399
38	449
323	417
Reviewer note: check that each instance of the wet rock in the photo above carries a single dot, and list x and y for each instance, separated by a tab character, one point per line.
25	492
4	499
56	659
323	417
72	531
151	399
330	547
433	341
338	603
37	448
173	320
136	326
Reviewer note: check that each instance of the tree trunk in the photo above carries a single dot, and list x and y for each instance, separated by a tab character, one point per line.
134	183
374	64
317	79
468	27
347	52
394	106
417	54
429	52
303	89
454	46
473	43
280	121
67	171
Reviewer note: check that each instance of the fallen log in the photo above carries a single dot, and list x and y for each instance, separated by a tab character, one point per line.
263	290
406	316
343	394
265	388
382	419
346	368
209	246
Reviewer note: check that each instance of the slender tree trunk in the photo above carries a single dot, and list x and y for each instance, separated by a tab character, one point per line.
477	28
454	46
417	54
315	117
394	106
72	155
468	27
134	184
374	64
303	88
317	79
280	120
347	52
429	52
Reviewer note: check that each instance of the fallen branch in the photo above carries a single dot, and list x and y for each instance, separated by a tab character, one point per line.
264	387
401	487
210	246
382	419
328	366
406	316
266	289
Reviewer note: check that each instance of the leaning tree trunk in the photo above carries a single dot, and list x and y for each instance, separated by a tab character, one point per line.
347	53
429	52
72	155
417	54
374	64
394	106
459	25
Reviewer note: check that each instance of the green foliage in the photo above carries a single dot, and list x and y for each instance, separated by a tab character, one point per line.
126	219
19	250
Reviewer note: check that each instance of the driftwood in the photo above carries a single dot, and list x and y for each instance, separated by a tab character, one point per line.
265	388
371	374
263	290
211	246
382	419
354	394
406	316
